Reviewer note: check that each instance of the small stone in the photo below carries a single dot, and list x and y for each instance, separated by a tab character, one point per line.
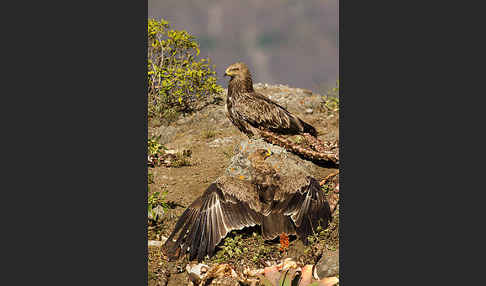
156	213
196	271
220	142
166	133
307	92
327	266
157	243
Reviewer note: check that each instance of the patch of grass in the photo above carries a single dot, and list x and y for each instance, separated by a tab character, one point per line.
180	160
208	133
232	247
331	99
154	147
150	178
326	188
244	248
157	199
315	237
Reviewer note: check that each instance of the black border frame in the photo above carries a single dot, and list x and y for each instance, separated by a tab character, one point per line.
74	217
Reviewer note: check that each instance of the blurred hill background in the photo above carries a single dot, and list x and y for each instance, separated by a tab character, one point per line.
287	42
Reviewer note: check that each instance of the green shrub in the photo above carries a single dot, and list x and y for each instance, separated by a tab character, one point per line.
177	80
156	199
331	99
208	133
150	178
181	159
154	147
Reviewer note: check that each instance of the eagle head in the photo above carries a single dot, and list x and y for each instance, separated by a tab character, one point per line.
239	70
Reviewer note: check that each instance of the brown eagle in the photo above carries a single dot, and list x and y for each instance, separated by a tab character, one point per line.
293	204
249	110
256	115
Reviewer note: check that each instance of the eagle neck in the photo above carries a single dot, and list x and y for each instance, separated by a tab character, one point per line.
240	85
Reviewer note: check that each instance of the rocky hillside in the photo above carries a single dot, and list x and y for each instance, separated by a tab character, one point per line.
209	144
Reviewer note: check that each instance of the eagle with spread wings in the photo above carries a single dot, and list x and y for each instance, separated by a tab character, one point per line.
278	204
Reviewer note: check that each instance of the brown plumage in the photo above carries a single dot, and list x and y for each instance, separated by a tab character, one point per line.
249	110
256	115
291	205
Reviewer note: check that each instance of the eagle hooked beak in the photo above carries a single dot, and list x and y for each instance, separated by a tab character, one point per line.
269	153
227	72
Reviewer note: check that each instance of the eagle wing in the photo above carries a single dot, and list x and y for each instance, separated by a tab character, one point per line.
224	206
306	206
260	111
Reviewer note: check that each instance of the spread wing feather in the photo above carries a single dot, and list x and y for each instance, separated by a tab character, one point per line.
231	205
308	208
207	221
297	212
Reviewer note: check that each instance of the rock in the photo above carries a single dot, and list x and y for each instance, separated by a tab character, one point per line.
285	163
196	272
307	91
185	120
217	115
157	243
156	214
220	141
327	266
166	133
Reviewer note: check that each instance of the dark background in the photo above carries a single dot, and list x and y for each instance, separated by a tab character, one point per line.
284	42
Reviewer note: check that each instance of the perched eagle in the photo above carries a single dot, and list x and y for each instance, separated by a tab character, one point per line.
291	203
256	115
249	110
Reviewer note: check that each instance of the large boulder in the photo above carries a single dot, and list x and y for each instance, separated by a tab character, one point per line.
285	163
